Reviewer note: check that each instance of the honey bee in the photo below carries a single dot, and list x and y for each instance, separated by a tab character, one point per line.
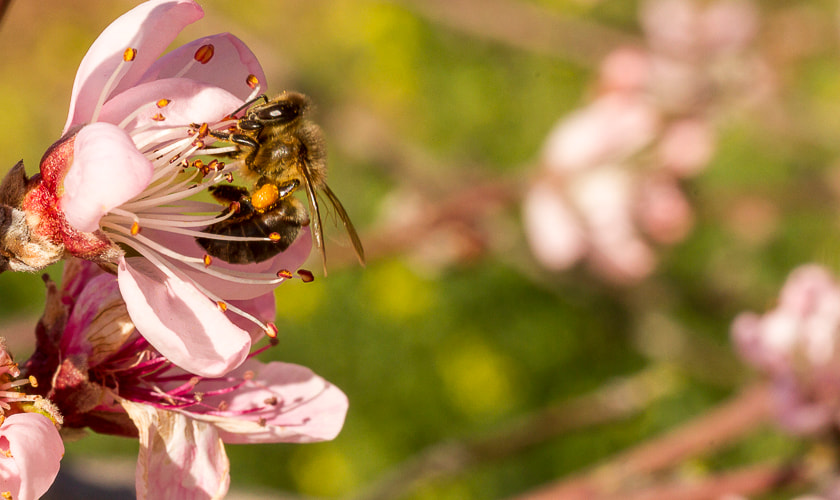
281	152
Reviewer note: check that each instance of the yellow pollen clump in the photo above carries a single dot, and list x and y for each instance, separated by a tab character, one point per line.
222	306
207	260
284	273
275	236
158	117
265	196
162	103
129	54
33	381
135	228
205	53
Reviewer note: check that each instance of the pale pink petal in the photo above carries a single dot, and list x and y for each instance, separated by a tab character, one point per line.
179	457
229	68
308	407
263	308
686	146
553	231
150	28
606	131
291	259
180	321
190	102
107	171
99	293
663	211
36	450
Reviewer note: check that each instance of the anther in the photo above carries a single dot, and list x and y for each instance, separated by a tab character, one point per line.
234	207
207	260
306	276
272	401
275	236
229	177
284	273
252	81
271	330
162	103
158	117
135	228
129	54
222	306
204	53
176	158
223	405
33	381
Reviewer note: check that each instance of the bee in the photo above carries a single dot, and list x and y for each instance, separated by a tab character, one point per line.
281	152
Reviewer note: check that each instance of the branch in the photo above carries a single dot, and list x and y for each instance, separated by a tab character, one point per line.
708	432
618	400
525	26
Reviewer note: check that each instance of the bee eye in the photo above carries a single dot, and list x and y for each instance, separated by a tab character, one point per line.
280	112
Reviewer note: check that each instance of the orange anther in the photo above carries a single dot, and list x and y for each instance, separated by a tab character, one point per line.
162	103
135	228
271	330
306	276
222	306
129	54
252	81
284	273
207	260
204	53
158	117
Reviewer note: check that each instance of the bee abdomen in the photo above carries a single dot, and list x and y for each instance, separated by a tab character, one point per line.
283	222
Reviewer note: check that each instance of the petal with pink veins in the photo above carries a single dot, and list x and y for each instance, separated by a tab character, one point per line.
150	28
180	321
307	409
229	68
179	457
103	154
36	450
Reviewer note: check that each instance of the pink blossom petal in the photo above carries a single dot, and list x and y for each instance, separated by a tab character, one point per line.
229	68
264	308
179	457
180	321
36	450
150	28
553	231
190	102
308	407
107	171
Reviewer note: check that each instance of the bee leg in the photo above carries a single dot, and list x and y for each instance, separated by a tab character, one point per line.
225	193
243	140
283	190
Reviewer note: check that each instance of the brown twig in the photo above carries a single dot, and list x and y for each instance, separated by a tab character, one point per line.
525	26
615	401
4	6
708	432
751	480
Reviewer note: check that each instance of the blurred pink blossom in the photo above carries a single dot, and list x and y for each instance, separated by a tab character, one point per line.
609	190
105	376
797	345
121	175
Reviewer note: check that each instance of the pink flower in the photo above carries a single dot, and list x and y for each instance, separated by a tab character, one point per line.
30	446
105	376
121	175
797	344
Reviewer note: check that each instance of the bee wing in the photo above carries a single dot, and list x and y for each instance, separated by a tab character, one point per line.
315	216
345	219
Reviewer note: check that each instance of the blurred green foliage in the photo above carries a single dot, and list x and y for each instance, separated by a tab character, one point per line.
432	355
